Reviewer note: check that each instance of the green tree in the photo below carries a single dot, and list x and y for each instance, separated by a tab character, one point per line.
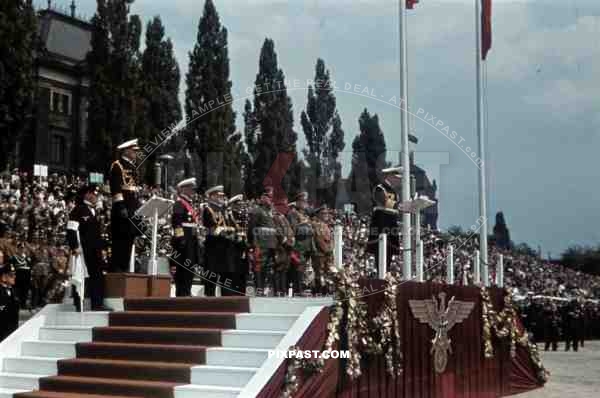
114	63
159	89
368	159
322	128
250	137
18	40
274	122
208	100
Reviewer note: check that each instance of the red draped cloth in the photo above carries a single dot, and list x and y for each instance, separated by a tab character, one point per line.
468	374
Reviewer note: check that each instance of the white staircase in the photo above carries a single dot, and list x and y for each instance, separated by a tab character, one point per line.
32	352
242	365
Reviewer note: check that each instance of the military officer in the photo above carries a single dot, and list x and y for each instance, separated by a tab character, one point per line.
217	240
84	238
9	303
385	219
185	239
262	240
285	245
304	238
236	217
571	321
552	323
322	257
124	189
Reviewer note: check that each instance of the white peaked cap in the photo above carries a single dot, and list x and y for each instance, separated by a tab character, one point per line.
216	188
187	181
128	144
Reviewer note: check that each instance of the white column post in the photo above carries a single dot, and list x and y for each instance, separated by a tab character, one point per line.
382	256
338	233
420	274
476	269
153	269
132	259
450	266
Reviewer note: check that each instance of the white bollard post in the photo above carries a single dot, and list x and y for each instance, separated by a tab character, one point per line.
132	260
218	291
485	273
476	269
420	274
450	266
500	271
382	256
338	233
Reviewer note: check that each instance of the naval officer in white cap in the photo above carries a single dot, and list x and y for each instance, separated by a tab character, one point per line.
125	201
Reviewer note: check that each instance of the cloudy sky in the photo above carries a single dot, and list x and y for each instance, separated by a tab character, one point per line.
543	93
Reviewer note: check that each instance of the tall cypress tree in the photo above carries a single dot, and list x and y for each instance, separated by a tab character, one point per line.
160	89
368	158
18	39
250	137
324	136
208	100
275	122
114	62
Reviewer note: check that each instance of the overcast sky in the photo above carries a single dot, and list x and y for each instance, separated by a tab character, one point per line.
543	102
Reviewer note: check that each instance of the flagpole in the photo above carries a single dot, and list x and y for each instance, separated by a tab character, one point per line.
404	153
483	249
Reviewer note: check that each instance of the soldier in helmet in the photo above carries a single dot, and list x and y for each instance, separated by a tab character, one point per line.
185	240
304	238
124	189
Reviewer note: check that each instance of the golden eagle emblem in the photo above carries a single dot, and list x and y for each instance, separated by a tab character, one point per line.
441	318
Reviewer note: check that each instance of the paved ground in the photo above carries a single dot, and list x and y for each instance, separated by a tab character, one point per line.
573	374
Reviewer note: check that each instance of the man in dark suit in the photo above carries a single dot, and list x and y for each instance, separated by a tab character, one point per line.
84	238
9	303
185	238
125	201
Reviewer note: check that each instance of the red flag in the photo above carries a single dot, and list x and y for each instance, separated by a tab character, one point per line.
410	4
486	27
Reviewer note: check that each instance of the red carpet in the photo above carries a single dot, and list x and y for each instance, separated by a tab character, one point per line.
146	351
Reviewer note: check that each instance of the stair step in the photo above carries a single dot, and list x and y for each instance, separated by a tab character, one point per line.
86	385
250	357
66	333
9	392
265	321
283	305
48	348
25	381
223	320
205	304
224	376
161	335
53	394
251	338
119	369
143	352
206	391
95	318
31	364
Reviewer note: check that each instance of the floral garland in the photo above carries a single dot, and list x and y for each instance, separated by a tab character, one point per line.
386	329
504	324
307	366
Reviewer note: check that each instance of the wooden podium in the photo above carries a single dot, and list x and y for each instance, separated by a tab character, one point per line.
120	285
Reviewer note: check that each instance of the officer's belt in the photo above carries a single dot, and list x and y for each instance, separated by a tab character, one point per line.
189	225
265	231
130	188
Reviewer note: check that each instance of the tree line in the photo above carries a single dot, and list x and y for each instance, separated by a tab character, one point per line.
135	93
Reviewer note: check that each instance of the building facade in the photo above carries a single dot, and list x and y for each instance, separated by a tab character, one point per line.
61	96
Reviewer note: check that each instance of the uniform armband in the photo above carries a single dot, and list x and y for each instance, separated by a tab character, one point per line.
72	225
178	232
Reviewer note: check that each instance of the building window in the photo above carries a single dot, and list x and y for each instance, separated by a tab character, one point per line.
60	102
57	149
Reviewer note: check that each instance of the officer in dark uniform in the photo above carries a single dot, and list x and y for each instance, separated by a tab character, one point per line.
385	219
552	321
124	189
571	321
218	239
285	245
185	238
9	303
84	238
322	258
262	240
22	263
236	216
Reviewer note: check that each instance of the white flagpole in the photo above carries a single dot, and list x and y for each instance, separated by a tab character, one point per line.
483	249
404	153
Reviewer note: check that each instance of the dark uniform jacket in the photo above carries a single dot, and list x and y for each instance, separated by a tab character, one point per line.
262	232
384	221
219	239
9	311
185	230
124	190
84	220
